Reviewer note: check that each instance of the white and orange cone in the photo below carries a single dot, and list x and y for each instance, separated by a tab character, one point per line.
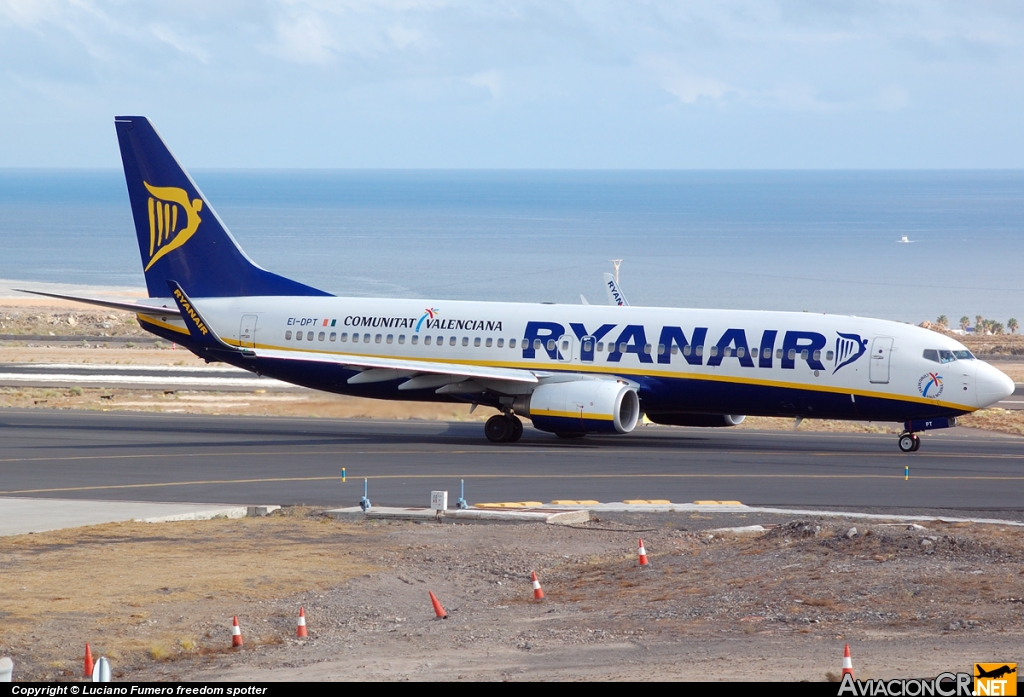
847	662
300	624
538	592
438	610
236	633
643	554
88	662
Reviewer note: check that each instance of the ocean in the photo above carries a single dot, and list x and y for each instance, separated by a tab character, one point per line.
815	241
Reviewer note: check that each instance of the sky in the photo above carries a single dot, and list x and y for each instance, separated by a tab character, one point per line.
722	84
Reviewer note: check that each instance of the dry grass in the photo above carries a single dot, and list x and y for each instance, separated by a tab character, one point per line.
148	590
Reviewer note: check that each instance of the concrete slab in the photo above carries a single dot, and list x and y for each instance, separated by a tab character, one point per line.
19	516
551	516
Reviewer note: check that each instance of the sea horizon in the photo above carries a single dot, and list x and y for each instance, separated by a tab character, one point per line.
799	240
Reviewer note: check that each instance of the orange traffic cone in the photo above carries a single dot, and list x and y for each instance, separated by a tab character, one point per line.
300	626
438	610
88	662
538	592
236	633
643	554
847	662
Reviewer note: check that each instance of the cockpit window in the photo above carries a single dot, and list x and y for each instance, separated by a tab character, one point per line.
943	356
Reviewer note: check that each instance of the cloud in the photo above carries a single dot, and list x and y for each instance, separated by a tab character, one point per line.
892	98
683	84
489	80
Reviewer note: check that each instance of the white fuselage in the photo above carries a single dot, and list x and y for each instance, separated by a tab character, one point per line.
683	360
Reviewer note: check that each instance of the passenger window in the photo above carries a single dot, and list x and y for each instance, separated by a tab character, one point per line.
588	346
476	342
778	354
376	339
767	353
803	355
391	337
623	347
829	356
401	338
537	345
511	343
426	341
415	339
792	354
741	352
700	350
322	336
309	336
714	350
728	350
451	341
661	349
344	336
551	344
465	341
334	336
817	355
500	344
288	335
647	349
600	346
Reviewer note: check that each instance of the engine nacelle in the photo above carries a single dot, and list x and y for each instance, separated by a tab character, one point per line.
699	420
583	406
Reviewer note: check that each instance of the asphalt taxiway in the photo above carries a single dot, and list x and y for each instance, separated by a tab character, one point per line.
247	460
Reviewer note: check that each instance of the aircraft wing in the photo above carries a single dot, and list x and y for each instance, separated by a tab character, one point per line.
167	309
396	368
615	296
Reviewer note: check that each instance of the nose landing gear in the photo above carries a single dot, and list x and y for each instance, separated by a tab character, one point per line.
909	442
503	428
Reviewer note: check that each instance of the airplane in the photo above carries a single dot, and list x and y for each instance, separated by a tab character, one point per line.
573	370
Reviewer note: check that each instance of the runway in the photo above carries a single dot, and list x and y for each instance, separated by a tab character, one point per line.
247	460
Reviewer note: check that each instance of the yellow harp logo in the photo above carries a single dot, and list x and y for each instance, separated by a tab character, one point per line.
164	214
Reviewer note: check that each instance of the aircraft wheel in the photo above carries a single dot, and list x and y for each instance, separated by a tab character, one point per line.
907	442
517	429
498	429
917	442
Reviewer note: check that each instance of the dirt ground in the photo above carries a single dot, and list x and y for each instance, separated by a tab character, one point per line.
778	605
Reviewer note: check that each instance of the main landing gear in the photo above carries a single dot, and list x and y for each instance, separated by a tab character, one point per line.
909	442
503	428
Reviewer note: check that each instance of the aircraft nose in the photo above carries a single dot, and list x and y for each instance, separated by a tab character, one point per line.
992	385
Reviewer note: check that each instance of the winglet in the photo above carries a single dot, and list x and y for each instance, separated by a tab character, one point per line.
203	336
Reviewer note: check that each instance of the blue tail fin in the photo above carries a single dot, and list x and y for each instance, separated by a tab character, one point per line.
180	235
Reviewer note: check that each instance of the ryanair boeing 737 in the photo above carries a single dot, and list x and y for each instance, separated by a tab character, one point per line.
570	369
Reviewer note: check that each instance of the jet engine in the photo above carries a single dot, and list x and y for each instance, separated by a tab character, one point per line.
583	406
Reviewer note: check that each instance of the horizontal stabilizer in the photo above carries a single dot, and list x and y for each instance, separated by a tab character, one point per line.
167	308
